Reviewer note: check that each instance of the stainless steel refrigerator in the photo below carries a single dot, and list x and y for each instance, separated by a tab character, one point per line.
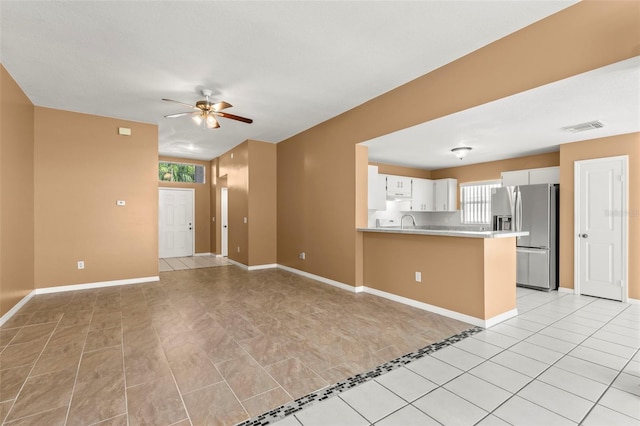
532	208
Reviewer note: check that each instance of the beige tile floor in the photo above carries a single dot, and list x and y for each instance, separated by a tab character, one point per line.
192	262
202	346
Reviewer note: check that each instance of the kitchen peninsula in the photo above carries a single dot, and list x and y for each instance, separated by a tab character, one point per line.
467	275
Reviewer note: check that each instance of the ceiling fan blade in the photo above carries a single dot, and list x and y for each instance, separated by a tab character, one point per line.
180	114
233	117
178	102
219	106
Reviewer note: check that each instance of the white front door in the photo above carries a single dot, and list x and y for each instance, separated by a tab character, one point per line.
224	222
175	222
601	228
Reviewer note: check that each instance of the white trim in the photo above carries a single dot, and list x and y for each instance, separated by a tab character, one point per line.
265	266
633	301
58	289
567	290
406	301
625	221
193	215
324	280
16	307
204	254
442	311
238	264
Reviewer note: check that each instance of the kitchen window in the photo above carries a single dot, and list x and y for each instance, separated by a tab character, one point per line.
475	201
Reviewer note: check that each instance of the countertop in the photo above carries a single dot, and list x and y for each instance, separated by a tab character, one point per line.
446	232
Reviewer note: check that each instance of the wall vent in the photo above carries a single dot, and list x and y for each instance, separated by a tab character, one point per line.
584	126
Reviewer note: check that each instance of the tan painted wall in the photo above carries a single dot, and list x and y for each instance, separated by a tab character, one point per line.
499	276
392	169
202	203
454	271
82	166
607	147
316	177
251	181
16	193
263	243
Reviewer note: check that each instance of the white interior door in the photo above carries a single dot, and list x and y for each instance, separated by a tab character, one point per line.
224	222
175	222
600	225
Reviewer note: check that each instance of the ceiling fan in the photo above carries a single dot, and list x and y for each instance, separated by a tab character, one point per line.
206	111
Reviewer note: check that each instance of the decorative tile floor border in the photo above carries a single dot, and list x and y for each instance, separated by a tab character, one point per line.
285	410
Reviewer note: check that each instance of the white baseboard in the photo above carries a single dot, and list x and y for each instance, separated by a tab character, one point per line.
406	301
87	286
266	266
238	264
566	290
203	254
633	301
324	280
17	307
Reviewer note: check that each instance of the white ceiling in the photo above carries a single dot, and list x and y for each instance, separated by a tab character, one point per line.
288	65
527	123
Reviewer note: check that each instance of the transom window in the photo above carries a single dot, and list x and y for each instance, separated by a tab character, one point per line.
475	201
180	172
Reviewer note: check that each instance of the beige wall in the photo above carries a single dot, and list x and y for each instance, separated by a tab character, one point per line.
316	176
607	147
392	169
251	182
82	167
263	243
483	288
202	202
16	193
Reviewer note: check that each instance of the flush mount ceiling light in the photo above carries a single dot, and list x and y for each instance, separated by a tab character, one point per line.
461	152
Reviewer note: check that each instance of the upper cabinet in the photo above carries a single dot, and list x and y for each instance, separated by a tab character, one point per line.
422	196
398	187
531	176
446	191
377	189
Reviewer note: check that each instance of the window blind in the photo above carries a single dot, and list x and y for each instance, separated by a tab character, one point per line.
475	201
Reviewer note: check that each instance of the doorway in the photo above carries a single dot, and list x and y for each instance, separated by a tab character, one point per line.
175	222
601	223
224	222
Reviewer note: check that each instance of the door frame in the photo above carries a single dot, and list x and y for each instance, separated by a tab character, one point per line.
224	217
625	221
193	215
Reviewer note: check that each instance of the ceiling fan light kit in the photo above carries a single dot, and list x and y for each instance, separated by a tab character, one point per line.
206	111
461	152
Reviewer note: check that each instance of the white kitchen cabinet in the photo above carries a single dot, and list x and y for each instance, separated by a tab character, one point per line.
376	190
516	177
544	175
422	195
398	187
531	176
446	195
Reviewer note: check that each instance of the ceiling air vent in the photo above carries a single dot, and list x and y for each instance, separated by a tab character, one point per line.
583	126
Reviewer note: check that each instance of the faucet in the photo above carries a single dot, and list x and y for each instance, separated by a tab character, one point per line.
412	218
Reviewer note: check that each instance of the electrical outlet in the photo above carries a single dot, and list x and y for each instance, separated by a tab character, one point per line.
302	256
238	249
245	220
418	277
80	264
